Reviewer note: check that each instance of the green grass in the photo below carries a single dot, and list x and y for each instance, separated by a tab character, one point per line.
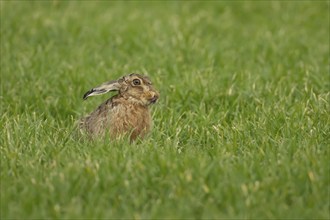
242	128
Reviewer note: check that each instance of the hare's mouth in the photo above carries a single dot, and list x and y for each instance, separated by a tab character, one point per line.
153	100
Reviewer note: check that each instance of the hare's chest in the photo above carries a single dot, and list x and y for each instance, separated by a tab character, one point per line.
130	119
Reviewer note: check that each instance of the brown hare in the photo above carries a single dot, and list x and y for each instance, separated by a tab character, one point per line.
126	113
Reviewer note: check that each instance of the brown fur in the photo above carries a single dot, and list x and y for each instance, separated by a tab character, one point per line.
126	113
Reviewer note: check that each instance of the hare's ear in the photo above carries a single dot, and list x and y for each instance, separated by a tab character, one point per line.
104	88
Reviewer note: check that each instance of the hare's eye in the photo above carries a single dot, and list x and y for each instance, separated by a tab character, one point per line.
136	82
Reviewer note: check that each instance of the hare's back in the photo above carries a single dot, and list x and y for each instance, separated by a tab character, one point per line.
98	120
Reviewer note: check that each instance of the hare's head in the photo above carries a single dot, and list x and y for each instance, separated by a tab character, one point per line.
134	87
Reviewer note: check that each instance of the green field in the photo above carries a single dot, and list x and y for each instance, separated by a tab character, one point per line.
241	130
